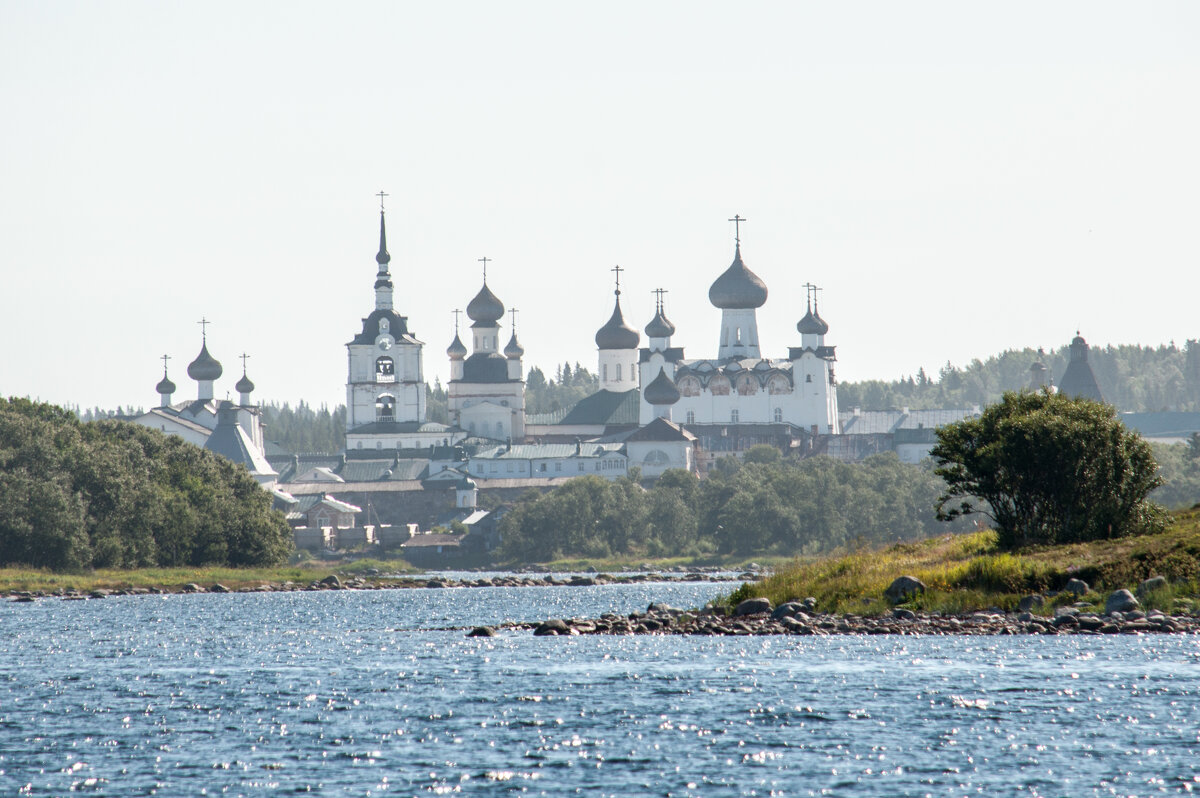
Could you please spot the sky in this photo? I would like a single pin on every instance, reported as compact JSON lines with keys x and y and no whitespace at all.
{"x":959,"y":179}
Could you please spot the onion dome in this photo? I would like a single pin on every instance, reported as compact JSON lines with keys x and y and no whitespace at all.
{"x":165,"y":385}
{"x":205,"y":367}
{"x":382,"y":257}
{"x":659,"y":327}
{"x":812,"y":324}
{"x":514,"y":349}
{"x":466,"y":483}
{"x":456,"y":350}
{"x":616,"y":334}
{"x":738,"y":287}
{"x":485,"y":309}
{"x":244,"y":385}
{"x":661,"y":390}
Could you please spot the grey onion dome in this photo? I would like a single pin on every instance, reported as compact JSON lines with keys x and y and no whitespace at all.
{"x":165,"y":385}
{"x":616,"y":334}
{"x":738,"y":287}
{"x":659,"y":327}
{"x":382,"y":257}
{"x":205,"y":367}
{"x":812,"y":324}
{"x":456,"y":350}
{"x":514,"y":349}
{"x":244,"y":385}
{"x":661,"y":390}
{"x":485,"y":309}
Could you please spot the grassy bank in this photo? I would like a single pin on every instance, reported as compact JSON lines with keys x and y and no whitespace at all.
{"x":16,"y":579}
{"x":964,"y":573}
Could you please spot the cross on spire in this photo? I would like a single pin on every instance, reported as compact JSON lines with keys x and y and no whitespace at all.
{"x":456,"y":313}
{"x":381,"y":195}
{"x":737,"y":229}
{"x":244,"y":357}
{"x":513,"y":312}
{"x":164,"y":359}
{"x":484,"y":260}
{"x":658,"y":302}
{"x":617,"y":271}
{"x":204,"y":328}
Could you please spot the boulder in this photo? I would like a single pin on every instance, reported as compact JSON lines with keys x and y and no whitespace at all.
{"x":1153,"y":583}
{"x":903,"y":588}
{"x":482,"y":631}
{"x":1120,"y":601}
{"x":787,"y":610}
{"x":331,"y":581}
{"x":1077,"y":586}
{"x":218,"y":588}
{"x":660,"y":607}
{"x":810,"y":604}
{"x":902,"y":614}
{"x":554,"y":626}
{"x":752,"y":607}
{"x":1034,"y":602}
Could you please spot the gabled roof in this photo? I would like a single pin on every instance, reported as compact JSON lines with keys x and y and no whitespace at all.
{"x":231,"y":441}
{"x":874,"y":422}
{"x":335,"y":504}
{"x":169,"y":416}
{"x":537,"y":451}
{"x":605,"y":407}
{"x":661,"y":430}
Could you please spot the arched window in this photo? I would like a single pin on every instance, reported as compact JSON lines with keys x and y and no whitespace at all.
{"x":808,"y":378}
{"x":385,"y":407}
{"x":778,"y":415}
{"x":500,"y":428}
{"x":691,"y":417}
{"x":618,"y":372}
{"x":604,"y":372}
{"x":385,"y":369}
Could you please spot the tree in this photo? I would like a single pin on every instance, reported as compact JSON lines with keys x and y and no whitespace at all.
{"x":1046,"y":468}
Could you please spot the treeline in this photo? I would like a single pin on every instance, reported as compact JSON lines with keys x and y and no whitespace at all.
{"x":567,"y":387}
{"x":1132,"y":378}
{"x":1179,"y":466}
{"x":111,"y":494}
{"x":765,"y":505}
{"x":304,"y":429}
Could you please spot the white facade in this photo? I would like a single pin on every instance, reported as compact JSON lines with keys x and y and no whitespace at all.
{"x":486,"y":393}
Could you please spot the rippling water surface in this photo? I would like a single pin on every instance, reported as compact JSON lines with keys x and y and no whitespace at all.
{"x":369,"y":693}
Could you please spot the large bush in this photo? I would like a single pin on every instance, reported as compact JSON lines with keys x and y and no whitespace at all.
{"x":1046,"y":468}
{"x":113,"y":494}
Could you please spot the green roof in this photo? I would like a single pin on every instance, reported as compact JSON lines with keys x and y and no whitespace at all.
{"x":605,"y":407}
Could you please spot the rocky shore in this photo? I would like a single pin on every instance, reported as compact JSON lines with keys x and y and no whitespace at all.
{"x":802,"y":618}
{"x":378,"y":581}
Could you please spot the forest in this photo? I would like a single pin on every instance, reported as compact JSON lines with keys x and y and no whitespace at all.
{"x":765,"y":504}
{"x":110,"y":494}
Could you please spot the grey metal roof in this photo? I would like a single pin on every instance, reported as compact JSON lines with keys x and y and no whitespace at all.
{"x":1078,"y":380}
{"x":397,"y":328}
{"x":661,"y":430}
{"x":485,"y":309}
{"x":661,"y":390}
{"x":231,"y":441}
{"x":874,"y":422}
{"x":605,"y":407}
{"x":205,"y":366}
{"x":485,"y":367}
{"x":538,"y":451}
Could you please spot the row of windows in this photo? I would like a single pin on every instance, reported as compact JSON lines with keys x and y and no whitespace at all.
{"x":604,"y":372}
{"x":609,"y":464}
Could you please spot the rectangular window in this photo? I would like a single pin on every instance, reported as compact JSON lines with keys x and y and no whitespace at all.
{"x":541,"y":467}
{"x":558,"y":466}
{"x":581,"y":466}
{"x":733,"y":415}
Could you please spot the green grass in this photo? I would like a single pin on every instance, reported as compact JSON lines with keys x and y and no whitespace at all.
{"x":965,"y":573}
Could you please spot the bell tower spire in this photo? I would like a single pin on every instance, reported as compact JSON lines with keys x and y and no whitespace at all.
{"x":383,"y":278}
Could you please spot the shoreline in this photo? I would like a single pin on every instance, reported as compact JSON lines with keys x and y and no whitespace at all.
{"x":333,"y":582}
{"x":711,"y":622}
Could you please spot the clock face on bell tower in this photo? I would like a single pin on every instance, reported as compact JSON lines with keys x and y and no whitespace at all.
{"x":385,"y":343}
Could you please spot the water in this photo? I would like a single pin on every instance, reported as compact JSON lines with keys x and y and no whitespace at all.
{"x":366,"y":693}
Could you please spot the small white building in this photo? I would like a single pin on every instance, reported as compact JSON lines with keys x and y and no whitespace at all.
{"x":550,"y":460}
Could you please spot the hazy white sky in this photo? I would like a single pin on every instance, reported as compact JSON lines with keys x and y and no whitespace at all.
{"x":959,"y":178}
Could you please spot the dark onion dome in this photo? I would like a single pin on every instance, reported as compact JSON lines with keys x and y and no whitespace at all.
{"x":382,"y":257}
{"x":456,"y":350}
{"x":205,"y":367}
{"x":616,"y":334}
{"x":738,"y":287}
{"x":165,"y":385}
{"x":244,"y":385}
{"x":661,"y":390}
{"x":659,"y":327}
{"x":812,"y":324}
{"x":514,"y":349}
{"x":485,"y":309}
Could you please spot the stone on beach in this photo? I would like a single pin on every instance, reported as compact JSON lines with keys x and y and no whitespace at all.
{"x":1077,"y":586}
{"x":1120,"y":601}
{"x":752,"y":607}
{"x":903,"y":588}
{"x":1151,"y":584}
